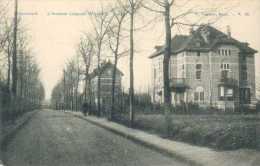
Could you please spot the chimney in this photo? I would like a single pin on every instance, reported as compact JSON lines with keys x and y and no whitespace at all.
{"x":228,"y":31}
{"x":205,"y":34}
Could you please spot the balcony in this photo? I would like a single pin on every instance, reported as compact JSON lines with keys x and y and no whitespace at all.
{"x":178,"y":85}
{"x":228,"y":82}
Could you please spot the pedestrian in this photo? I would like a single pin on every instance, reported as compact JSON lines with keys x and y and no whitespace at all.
{"x":85,"y":109}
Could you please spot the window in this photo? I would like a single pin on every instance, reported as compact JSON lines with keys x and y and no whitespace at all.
{"x":225,"y":70}
{"x":199,"y":94}
{"x":229,"y":52}
{"x":229,"y":92}
{"x":198,"y":53}
{"x":244,"y":72}
{"x":198,"y":66}
{"x":224,"y":74}
{"x":225,"y":52}
{"x":225,"y":66}
{"x":198,"y":71}
{"x":222,"y":91}
{"x":198,"y":75}
{"x":226,"y":93}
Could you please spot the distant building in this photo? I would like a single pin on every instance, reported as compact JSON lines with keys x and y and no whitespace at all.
{"x":207,"y":67}
{"x":106,"y":74}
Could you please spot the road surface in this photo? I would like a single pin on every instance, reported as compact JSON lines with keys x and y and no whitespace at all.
{"x":54,"y":138}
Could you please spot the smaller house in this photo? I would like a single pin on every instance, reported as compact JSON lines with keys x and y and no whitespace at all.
{"x":106,"y":79}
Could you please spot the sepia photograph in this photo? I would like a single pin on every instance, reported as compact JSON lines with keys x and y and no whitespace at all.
{"x":129,"y":83}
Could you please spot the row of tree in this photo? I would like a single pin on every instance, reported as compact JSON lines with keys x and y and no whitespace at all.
{"x":116,"y":23}
{"x":21,"y":88}
{"x":65,"y":94}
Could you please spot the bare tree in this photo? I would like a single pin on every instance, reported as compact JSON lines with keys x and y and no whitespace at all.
{"x":25,"y":85}
{"x":71,"y":79}
{"x":101,"y":24}
{"x":7,"y":47}
{"x":14,"y":57}
{"x":114,"y":36}
{"x":167,"y":8}
{"x":86,"y":51}
{"x":131,"y":7}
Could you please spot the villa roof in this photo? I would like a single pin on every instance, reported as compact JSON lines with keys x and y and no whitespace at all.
{"x":205,"y":38}
{"x":104,"y":66}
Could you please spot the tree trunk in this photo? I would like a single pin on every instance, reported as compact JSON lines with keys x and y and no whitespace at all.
{"x":131,"y":88}
{"x":90,"y":92}
{"x":77,"y":87}
{"x":64,"y":91}
{"x":9,"y":67}
{"x":14,"y":71}
{"x":99,"y":82}
{"x":113,"y":88}
{"x":166,"y":59}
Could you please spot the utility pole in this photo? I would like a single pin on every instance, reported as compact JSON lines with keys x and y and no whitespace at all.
{"x":131,"y":65}
{"x":14,"y":71}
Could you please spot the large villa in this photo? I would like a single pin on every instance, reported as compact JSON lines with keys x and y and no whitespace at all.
{"x":207,"y":67}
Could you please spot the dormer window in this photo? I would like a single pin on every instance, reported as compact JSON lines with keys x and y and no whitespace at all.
{"x":224,"y":52}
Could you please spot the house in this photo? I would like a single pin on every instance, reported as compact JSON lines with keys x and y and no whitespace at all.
{"x":106,"y":74}
{"x":207,"y":67}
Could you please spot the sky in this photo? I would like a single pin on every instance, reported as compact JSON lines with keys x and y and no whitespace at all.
{"x":54,"y":33}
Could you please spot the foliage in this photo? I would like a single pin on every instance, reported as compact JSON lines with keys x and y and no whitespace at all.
{"x":223,"y":132}
{"x":30,"y":90}
{"x":65,"y":94}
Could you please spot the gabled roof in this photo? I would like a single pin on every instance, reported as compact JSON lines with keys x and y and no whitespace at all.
{"x":103,"y":67}
{"x":205,"y":38}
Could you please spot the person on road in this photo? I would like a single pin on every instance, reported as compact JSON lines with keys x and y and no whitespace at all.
{"x":85,"y":109}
